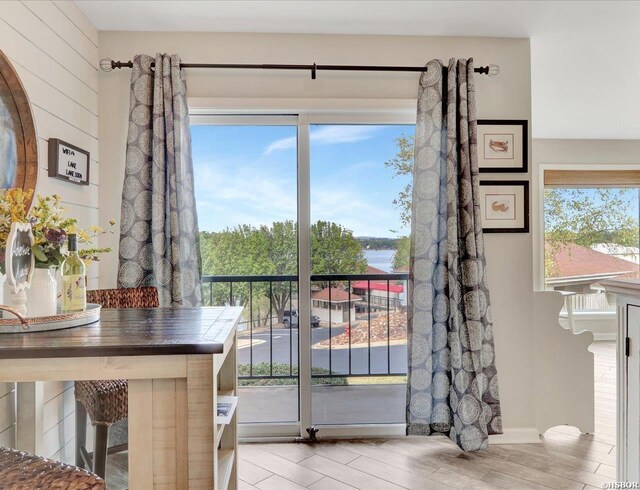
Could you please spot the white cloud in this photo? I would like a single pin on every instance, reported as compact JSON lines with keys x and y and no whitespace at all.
{"x":346,"y":207}
{"x":327,"y":135}
{"x":229,"y":195}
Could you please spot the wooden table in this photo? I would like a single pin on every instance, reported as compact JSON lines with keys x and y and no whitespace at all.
{"x":177,"y":362}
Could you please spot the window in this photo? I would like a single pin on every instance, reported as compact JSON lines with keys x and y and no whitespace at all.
{"x":591,"y":234}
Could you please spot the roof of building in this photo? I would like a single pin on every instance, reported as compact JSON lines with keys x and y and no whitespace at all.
{"x":337,"y":295}
{"x":615,"y":249}
{"x":572,"y":260}
{"x":375,"y":270}
{"x":378,"y":286}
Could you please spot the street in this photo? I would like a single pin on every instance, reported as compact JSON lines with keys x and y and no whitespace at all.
{"x":284,"y":350}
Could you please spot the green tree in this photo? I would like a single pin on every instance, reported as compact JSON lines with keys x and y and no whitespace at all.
{"x":402,"y":164}
{"x":273,"y":250}
{"x":401,"y":257}
{"x":586,"y":217}
{"x":334,"y":250}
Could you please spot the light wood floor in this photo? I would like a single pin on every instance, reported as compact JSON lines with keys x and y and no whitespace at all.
{"x":566,"y":459}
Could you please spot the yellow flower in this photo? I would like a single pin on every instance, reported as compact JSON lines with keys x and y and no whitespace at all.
{"x":84,"y":236}
{"x":97,"y":229}
{"x":112,"y":221}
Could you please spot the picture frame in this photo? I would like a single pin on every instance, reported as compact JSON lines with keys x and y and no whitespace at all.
{"x":68,"y":162}
{"x":503,"y":145}
{"x":504,"y":206}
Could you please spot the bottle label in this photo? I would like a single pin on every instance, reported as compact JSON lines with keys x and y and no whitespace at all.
{"x":74,"y":293}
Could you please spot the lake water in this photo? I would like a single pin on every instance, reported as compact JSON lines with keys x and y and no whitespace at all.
{"x":381,"y":259}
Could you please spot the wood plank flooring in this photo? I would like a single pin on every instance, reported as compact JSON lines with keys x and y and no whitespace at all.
{"x":566,"y":459}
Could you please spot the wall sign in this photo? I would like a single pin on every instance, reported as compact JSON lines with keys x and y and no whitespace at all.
{"x":19,"y":258}
{"x":68,"y":162}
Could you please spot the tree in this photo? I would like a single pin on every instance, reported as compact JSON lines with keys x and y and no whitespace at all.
{"x":402,"y":255}
{"x":334,"y":250}
{"x":586,"y":217}
{"x":402,"y":164}
{"x":273,"y":250}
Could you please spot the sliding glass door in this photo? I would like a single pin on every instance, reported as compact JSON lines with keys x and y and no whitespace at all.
{"x":359,"y":262}
{"x":304,"y":222}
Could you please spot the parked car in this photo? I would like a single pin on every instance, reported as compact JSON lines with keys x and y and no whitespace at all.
{"x":290,"y":319}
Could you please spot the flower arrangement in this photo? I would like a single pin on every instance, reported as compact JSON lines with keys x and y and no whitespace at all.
{"x":50,"y":228}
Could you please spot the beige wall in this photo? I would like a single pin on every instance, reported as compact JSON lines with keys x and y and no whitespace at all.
{"x":507,"y":97}
{"x":54,"y":49}
{"x":586,"y":152}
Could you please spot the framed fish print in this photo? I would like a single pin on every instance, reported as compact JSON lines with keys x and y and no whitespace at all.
{"x":503,"y":145}
{"x":504,"y":205}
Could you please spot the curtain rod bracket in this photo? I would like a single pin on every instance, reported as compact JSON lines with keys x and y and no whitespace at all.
{"x":314,"y":71}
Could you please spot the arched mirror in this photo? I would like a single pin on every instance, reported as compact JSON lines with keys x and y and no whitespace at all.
{"x":18,"y":144}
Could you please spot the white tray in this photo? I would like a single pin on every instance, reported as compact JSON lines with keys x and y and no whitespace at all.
{"x":48,"y":323}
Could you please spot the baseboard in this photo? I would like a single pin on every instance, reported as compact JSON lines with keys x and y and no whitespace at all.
{"x":524,"y":435}
{"x":605,"y":336}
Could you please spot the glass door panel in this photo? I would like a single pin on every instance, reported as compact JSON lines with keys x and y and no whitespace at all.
{"x":246,"y":192}
{"x":360,"y":178}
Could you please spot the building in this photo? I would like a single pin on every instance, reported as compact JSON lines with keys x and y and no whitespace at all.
{"x":334,"y":305}
{"x":380,"y":293}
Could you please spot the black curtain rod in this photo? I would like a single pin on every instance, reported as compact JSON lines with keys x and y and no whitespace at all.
{"x":107,"y":64}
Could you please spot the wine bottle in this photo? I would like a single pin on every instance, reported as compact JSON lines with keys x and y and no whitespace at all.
{"x":74,"y":291}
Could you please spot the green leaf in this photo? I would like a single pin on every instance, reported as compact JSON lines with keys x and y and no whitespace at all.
{"x":38,"y":251}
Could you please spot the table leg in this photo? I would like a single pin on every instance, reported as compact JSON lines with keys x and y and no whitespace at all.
{"x":158,"y":434}
{"x":201,"y":386}
{"x":140,"y":434}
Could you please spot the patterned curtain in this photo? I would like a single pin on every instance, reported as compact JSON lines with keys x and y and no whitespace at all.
{"x":159,"y":241}
{"x":452,"y":379}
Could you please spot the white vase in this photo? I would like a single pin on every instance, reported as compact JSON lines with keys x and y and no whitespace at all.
{"x":42,"y":296}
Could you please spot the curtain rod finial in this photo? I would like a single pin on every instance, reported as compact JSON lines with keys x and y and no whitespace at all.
{"x":106,"y":64}
{"x":494,"y":71}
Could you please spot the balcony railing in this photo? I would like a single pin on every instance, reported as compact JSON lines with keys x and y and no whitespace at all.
{"x":363,"y":335}
{"x":590,"y":302}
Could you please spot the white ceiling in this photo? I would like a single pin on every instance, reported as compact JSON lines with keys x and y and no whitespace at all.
{"x":585,"y":54}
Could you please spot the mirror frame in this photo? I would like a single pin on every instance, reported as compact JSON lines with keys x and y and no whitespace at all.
{"x":26,"y":138}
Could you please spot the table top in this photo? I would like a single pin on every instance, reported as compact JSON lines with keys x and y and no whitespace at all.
{"x":131,"y":332}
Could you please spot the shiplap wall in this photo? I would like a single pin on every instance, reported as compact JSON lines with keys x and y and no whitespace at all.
{"x":54,"y":49}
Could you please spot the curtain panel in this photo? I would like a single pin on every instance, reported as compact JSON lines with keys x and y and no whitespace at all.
{"x":159,"y":239}
{"x":452,"y":379}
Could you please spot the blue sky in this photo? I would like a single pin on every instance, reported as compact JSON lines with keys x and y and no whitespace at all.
{"x":247,"y":175}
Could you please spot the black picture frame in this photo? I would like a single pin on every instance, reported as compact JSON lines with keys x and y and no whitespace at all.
{"x":509,"y":183}
{"x":524,"y":168}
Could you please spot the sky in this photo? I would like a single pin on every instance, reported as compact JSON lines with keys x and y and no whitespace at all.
{"x":247,"y":175}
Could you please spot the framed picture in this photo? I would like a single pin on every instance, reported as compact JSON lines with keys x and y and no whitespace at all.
{"x":502,"y":145}
{"x":68,"y":162}
{"x":504,"y":205}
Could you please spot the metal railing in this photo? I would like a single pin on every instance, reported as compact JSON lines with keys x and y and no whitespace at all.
{"x":266,"y":354}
